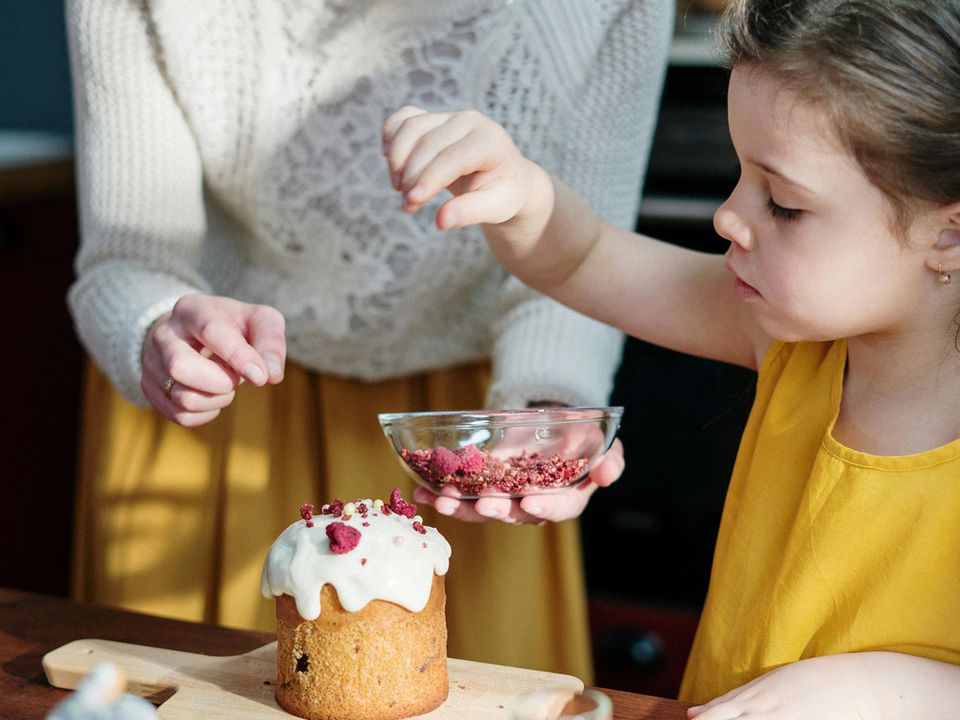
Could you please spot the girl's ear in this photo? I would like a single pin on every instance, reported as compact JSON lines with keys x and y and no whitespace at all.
{"x":944,"y":255}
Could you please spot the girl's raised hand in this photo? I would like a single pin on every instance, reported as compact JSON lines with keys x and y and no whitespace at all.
{"x":466,"y":153}
{"x":194,"y":357}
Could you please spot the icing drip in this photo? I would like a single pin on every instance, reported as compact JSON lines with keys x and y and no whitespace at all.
{"x":393,"y":561}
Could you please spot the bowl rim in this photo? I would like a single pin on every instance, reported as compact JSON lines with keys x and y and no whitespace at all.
{"x":511,"y":417}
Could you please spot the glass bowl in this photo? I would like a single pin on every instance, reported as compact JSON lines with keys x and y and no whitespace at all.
{"x":501,"y":453}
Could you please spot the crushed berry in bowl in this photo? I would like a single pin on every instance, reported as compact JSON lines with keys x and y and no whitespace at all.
{"x":509,"y":453}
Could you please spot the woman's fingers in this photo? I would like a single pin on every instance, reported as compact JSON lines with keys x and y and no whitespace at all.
{"x":610,"y":467}
{"x":194,"y":358}
{"x":223,"y":326}
{"x":481,"y":510}
{"x":561,"y":505}
{"x":554,"y":506}
{"x":267,"y":331}
{"x":512,"y":511}
{"x":167,"y":355}
{"x":170,"y":403}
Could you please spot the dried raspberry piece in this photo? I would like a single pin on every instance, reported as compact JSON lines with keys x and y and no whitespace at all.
{"x":420,"y":528}
{"x":471,"y":460}
{"x":306,"y":512}
{"x":335,"y":508}
{"x":444,"y":462}
{"x":401,"y":506}
{"x":419,"y":462}
{"x":343,"y":538}
{"x":476,"y":470}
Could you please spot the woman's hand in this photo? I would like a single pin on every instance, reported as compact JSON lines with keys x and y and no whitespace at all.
{"x":553,"y":506}
{"x":194,"y":357}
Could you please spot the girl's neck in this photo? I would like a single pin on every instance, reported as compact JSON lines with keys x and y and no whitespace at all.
{"x":901,"y":395}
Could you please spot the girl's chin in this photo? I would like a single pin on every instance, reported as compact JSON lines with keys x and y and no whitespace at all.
{"x":777,"y":331}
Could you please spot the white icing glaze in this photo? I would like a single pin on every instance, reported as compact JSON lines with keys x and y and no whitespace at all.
{"x":399,"y":562}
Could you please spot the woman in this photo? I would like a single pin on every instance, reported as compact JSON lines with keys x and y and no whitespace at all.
{"x":231,"y":181}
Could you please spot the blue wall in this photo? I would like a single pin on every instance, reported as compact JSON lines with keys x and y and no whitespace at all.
{"x":34,"y":68}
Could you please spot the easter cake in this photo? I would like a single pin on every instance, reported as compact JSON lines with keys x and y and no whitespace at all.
{"x":361,"y":627}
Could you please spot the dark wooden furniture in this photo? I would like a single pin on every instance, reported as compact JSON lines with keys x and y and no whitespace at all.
{"x":42,"y":360}
{"x":31,"y":625}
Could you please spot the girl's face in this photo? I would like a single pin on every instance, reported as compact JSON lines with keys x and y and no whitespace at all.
{"x":811,"y":239}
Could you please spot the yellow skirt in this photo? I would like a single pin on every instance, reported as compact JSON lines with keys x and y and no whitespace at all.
{"x":176,"y":522}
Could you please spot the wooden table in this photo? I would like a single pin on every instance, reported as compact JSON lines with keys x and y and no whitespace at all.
{"x":31,"y":625}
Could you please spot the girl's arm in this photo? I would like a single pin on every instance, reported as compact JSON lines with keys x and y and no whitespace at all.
{"x":867,"y":686}
{"x":543,"y":233}
{"x":599,"y":82}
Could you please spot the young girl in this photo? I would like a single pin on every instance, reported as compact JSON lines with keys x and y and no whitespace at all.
{"x":836,"y":583}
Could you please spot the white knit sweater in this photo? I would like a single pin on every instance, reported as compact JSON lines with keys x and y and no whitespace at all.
{"x":232,"y":147}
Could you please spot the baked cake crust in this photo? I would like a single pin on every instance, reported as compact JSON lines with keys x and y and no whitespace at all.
{"x":382,"y":662}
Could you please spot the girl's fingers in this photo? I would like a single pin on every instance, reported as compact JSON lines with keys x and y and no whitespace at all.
{"x":407,"y":136}
{"x":489,"y":206}
{"x":393,"y":124}
{"x":438,"y":157}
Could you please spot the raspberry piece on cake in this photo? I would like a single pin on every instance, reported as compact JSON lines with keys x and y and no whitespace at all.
{"x":401,"y":506}
{"x":343,"y":538}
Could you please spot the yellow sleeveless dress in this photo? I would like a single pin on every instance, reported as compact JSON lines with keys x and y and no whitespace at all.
{"x":823,"y":549}
{"x":177,"y":522}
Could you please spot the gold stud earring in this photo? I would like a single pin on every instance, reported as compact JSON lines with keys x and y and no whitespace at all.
{"x":944,"y":277}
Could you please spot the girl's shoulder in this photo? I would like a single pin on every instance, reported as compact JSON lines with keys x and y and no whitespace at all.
{"x":802,"y":367}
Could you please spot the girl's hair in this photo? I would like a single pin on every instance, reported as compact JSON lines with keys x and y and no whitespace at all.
{"x":887,"y":72}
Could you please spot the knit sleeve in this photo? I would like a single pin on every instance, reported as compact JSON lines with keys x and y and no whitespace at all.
{"x":542,"y":350}
{"x":139,"y":183}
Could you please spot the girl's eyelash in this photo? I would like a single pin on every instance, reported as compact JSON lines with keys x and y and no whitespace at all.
{"x":778,"y":211}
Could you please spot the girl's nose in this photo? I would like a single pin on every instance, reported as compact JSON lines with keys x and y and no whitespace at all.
{"x":729,"y":225}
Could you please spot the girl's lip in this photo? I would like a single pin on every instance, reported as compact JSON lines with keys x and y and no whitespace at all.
{"x":743,"y":288}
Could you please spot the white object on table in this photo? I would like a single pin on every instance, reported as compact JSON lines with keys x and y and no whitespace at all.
{"x":100,"y":696}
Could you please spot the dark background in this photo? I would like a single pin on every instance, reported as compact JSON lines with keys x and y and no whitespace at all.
{"x":648,"y":540}
{"x":34,"y":72}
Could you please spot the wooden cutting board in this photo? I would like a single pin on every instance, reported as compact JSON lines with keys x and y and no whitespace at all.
{"x":241,"y":686}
